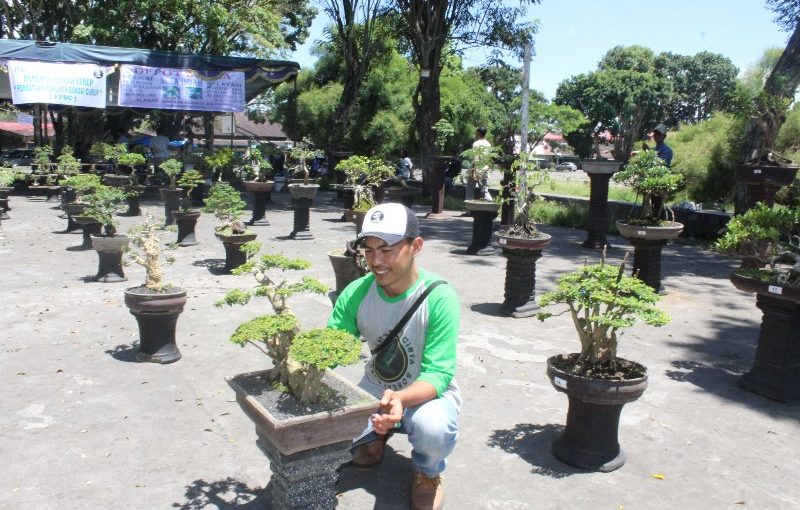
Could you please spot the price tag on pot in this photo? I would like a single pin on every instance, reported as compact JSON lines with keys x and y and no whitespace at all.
{"x":502,"y":240}
{"x":775,"y":289}
{"x":641,"y":233}
{"x":561,"y":383}
{"x":756,"y":171}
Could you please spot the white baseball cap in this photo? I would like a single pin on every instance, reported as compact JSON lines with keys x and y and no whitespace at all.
{"x":661,"y":128}
{"x":389,"y":222}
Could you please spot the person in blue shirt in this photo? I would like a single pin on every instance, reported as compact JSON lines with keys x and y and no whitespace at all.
{"x":662,"y":149}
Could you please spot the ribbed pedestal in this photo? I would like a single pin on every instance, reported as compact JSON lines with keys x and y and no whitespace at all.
{"x":597,"y":223}
{"x":482,"y":233}
{"x":520,"y":299}
{"x":647,"y":260}
{"x":302,"y":215}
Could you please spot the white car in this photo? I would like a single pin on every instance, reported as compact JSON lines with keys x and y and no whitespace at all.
{"x":566,"y":166}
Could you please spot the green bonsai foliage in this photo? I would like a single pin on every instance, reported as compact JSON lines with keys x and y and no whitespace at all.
{"x":188,"y":181}
{"x":301,"y":155}
{"x":260,"y":168}
{"x":146,"y":239}
{"x":444,"y":133}
{"x":130,"y":160}
{"x":651,"y":178}
{"x":219,"y":159}
{"x":602,"y":301}
{"x":67,"y":163}
{"x":8,"y":177}
{"x":364,"y":174}
{"x":759,"y":235}
{"x":171,"y":167}
{"x":479,"y":161}
{"x":41,"y":158}
{"x":227,"y":205}
{"x":299,"y":368}
{"x":82,"y":183}
{"x":104,"y":204}
{"x":528,"y":177}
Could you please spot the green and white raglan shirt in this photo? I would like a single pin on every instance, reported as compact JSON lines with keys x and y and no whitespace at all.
{"x":428,"y":340}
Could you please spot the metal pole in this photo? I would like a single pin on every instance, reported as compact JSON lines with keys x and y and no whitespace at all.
{"x":523,"y":148}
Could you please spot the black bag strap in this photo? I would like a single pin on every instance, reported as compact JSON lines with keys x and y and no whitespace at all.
{"x":401,"y":324}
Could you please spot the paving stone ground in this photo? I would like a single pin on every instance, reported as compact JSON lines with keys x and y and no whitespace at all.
{"x":84,"y":426}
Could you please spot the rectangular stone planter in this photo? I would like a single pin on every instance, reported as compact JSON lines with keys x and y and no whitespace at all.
{"x":305,"y":446}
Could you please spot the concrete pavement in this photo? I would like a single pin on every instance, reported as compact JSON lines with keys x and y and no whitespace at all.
{"x":84,"y":426}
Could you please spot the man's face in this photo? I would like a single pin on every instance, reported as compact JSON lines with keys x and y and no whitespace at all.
{"x":393,"y":266}
{"x":658,"y":137}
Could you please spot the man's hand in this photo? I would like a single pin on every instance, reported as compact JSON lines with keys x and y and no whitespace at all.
{"x":391,"y":412}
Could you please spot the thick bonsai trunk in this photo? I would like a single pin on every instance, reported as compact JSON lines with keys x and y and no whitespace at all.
{"x":763,"y":129}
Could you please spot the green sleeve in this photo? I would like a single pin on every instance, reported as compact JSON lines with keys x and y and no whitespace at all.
{"x":441,"y":338}
{"x":345,"y":311}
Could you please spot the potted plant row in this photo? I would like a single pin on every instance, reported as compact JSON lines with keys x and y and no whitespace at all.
{"x":102,"y":206}
{"x":305,"y":415}
{"x":186,"y":217}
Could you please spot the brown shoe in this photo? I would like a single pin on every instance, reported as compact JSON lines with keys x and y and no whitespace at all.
{"x":370,"y":454}
{"x":427,"y":493}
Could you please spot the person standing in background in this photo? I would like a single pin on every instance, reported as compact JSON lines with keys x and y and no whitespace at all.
{"x":405,"y":167}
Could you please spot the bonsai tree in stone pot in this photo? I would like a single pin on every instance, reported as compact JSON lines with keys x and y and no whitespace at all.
{"x":768,"y":241}
{"x":302,"y":193}
{"x":155,"y":304}
{"x":521,"y":242}
{"x":259,"y":183}
{"x":444,"y":134}
{"x":479,"y":162}
{"x":220,"y":161}
{"x":78,"y":188}
{"x":227,"y":205}
{"x":185,"y":216}
{"x":124,"y":164}
{"x":172,"y":194}
{"x":364,"y":176}
{"x":103,"y":205}
{"x":303,"y":412}
{"x":651,"y":225}
{"x":601,"y":301}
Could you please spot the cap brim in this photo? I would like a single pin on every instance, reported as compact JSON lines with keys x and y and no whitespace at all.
{"x":389,"y":239}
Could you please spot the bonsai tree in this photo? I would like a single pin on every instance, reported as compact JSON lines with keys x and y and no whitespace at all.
{"x":301,"y":155}
{"x":299,"y":359}
{"x":444,"y":134}
{"x":146,"y":238}
{"x":8,"y":177}
{"x":41,"y":158}
{"x":602,"y":301}
{"x":188,"y":181}
{"x":260,"y":168}
{"x":219,"y":160}
{"x":67,"y":163}
{"x":171,"y":167}
{"x":82,"y":183}
{"x":364,"y":174}
{"x":527,"y":177}
{"x":104,"y":204}
{"x":119,"y":155}
{"x":227,"y":205}
{"x":479,"y":161}
{"x":650,"y":177}
{"x":762,"y":236}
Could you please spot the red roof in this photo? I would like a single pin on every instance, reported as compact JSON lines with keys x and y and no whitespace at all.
{"x":20,"y":128}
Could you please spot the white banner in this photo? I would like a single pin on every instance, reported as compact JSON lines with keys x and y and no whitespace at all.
{"x":57,"y":83}
{"x":180,"y":89}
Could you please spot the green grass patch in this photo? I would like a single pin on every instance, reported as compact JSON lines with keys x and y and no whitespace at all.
{"x":581,"y":189}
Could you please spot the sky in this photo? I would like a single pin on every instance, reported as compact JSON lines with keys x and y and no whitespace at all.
{"x":575,"y":34}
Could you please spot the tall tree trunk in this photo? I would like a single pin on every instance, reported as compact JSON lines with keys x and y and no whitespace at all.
{"x":427,"y":109}
{"x":762,"y":130}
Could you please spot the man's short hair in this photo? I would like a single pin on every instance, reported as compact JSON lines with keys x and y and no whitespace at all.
{"x":481,"y":130}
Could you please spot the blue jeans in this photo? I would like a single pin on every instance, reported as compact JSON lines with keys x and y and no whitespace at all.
{"x":432,"y":430}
